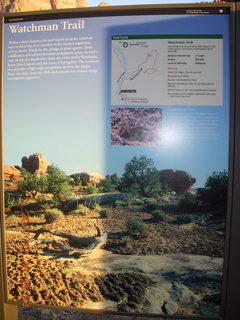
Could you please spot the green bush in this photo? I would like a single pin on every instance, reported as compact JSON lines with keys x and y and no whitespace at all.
{"x":186,"y":218}
{"x":136,"y":225}
{"x":106,"y":213}
{"x":91,"y":189}
{"x":52,"y":215}
{"x":106,"y":186}
{"x":135,"y":201}
{"x":153,"y":206}
{"x":9,"y":200}
{"x":159,"y":215}
{"x":189,"y":203}
{"x":81,"y":210}
{"x":120,"y":203}
{"x":214,"y":194}
{"x":126,"y":240}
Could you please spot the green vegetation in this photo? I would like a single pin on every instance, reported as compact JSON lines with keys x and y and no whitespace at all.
{"x":81,"y":210}
{"x":52,"y":215}
{"x":77,"y":180}
{"x":186,"y":218}
{"x":136,"y":225}
{"x":91,"y":189}
{"x":120,"y":203}
{"x":106,"y":213}
{"x":58,"y":184}
{"x":140,"y":176}
{"x":189,"y":203}
{"x":106,"y":186}
{"x":32,"y":184}
{"x":159,"y":215}
{"x":126,"y":240}
{"x":9,"y":200}
{"x":214,"y":195}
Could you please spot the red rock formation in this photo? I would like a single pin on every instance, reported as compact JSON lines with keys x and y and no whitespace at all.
{"x":178,"y":180}
{"x":103,"y":4}
{"x":91,"y":177}
{"x":11,"y":172}
{"x":35,"y":164}
{"x":35,"y":5}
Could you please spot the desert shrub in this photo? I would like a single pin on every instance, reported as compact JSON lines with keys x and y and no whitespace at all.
{"x":214,"y":195}
{"x":150,"y":200}
{"x":159,"y":215}
{"x":153,"y":206}
{"x":186,"y":218}
{"x":201,"y":220}
{"x":126,"y":240}
{"x":52,"y":215}
{"x":189,"y":203}
{"x":136,"y":201}
{"x":120,"y":203}
{"x":106,"y":186}
{"x":136,"y":225}
{"x":81,"y":210}
{"x":9,"y":200}
{"x":92,"y":203}
{"x":221,"y":226}
{"x":91,"y":189}
{"x":106,"y":213}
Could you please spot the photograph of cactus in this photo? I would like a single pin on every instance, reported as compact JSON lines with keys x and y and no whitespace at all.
{"x":111,"y":207}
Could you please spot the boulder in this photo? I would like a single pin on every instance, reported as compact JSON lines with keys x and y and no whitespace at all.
{"x":170,"y":307}
{"x":34,"y":5}
{"x":89,"y":177}
{"x":35,"y":164}
{"x":178,"y":180}
{"x":103,"y":4}
{"x":11,"y":172}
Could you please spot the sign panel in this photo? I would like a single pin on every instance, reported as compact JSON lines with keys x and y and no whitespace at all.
{"x":116,"y":146}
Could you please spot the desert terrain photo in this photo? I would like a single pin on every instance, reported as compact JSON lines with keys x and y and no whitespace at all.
{"x":128,"y":243}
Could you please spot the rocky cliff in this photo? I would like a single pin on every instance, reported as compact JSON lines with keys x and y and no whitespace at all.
{"x":35,"y":164}
{"x":35,"y":5}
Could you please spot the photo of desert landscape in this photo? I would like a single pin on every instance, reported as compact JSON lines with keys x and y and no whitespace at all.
{"x":144,"y":242}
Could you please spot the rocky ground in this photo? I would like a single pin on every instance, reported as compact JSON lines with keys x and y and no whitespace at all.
{"x":171,"y":269}
{"x":136,"y":126}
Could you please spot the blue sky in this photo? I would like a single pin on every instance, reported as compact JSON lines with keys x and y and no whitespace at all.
{"x":67,"y":117}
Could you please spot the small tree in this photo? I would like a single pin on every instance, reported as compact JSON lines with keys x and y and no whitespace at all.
{"x":58,"y":184}
{"x":215,"y":192}
{"x":106,"y":186}
{"x":8,"y":200}
{"x":32,"y":184}
{"x":142,"y":173}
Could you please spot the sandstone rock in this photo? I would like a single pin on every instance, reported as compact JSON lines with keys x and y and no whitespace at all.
{"x":35,"y":164}
{"x":35,"y":5}
{"x":90,"y":177}
{"x":103,"y":4}
{"x":178,"y":180}
{"x":30,"y":5}
{"x":11,"y":172}
{"x":155,"y":299}
{"x":183,"y":294}
{"x":170,"y":307}
{"x":61,"y":4}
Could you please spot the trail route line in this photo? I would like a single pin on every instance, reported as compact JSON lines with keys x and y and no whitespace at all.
{"x":135,"y":71}
{"x":158,"y":70}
